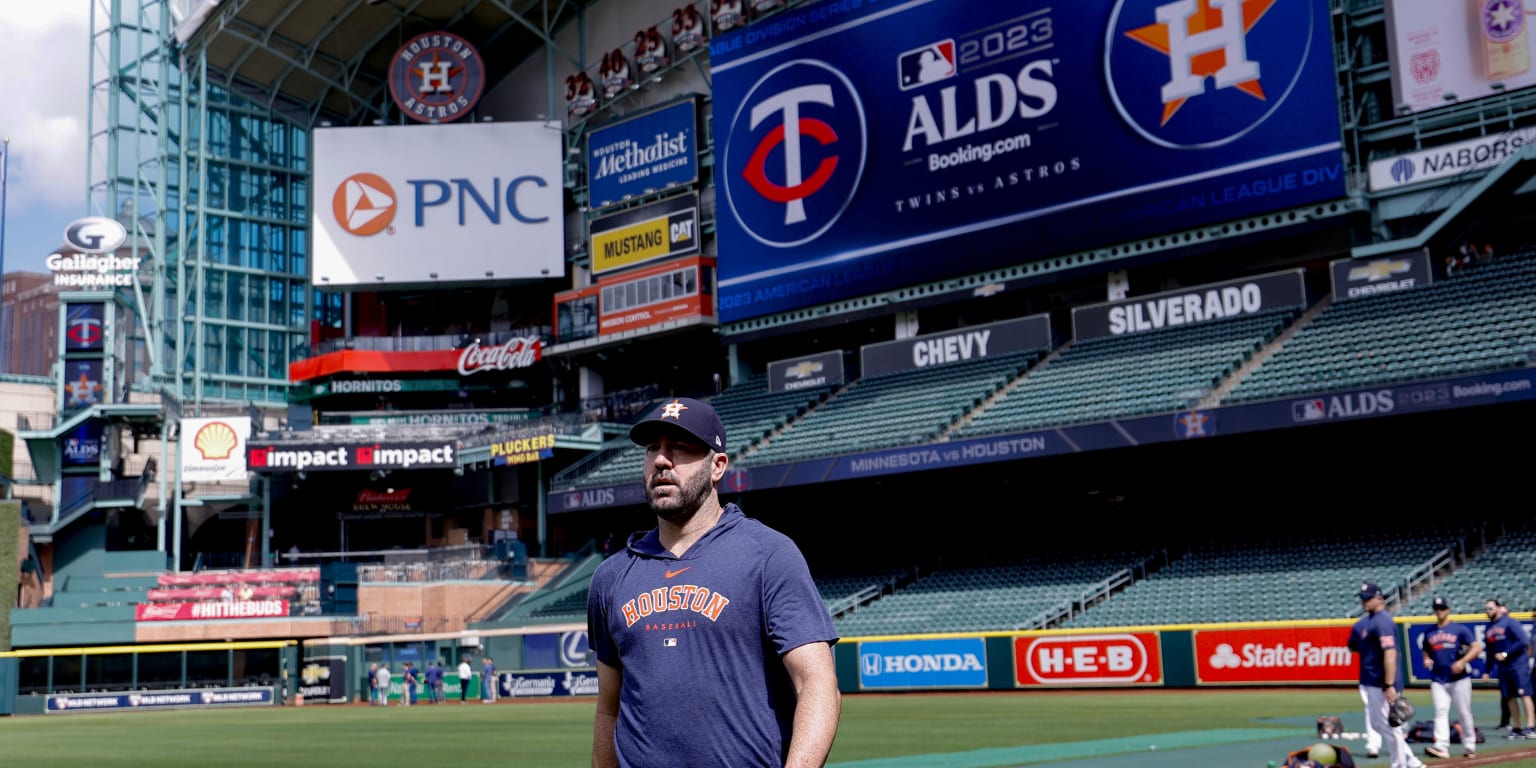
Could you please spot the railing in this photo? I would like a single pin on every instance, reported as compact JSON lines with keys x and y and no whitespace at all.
{"x":855,"y":600}
{"x":1422,"y":575}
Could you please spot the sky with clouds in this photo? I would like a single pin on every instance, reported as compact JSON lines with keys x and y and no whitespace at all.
{"x":45,"y":50}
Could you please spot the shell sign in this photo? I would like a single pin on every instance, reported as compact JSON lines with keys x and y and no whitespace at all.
{"x":214,"y":449}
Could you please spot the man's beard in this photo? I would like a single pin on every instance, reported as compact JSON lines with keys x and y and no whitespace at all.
{"x":678,"y":508}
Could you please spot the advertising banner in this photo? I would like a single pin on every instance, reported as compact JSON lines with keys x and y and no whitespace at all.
{"x":863,"y":146}
{"x":323,"y":680}
{"x":1448,"y":51}
{"x":1419,"y":673}
{"x":1198,"y":304}
{"x":438,"y":204}
{"x":1132,"y":658}
{"x":523,"y":450}
{"x":83,"y":444}
{"x":311,"y":457}
{"x":523,"y":685}
{"x":809,"y":372}
{"x":1449,"y":160}
{"x":643,"y":153}
{"x":477,"y":357}
{"x":85,"y":327}
{"x":1286,"y":655}
{"x":212,"y":609}
{"x":202,"y":698}
{"x":1357,"y":278}
{"x":83,"y":384}
{"x":646,"y":233}
{"x":906,"y":664}
{"x":1004,"y":337}
{"x":214,"y":449}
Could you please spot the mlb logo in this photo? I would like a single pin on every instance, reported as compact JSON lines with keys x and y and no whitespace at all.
{"x":1425,"y":66}
{"x":1308,"y":410}
{"x":670,"y":642}
{"x":928,"y":64}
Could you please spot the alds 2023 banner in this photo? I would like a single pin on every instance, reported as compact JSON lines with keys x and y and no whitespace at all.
{"x":865,"y":145}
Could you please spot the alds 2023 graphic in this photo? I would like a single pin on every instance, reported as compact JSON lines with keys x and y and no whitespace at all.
{"x":866,"y":144}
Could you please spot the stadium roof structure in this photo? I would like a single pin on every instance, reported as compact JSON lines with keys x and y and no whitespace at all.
{"x":328,"y":60}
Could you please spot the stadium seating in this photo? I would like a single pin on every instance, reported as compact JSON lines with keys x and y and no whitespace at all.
{"x":747,"y":408}
{"x":1483,"y":319}
{"x":984,"y":597}
{"x":1120,"y":376}
{"x":1278,"y":577}
{"x":1504,"y":569}
{"x":906,"y":408}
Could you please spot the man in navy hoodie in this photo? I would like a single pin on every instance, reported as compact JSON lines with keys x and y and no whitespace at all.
{"x":713,"y":645}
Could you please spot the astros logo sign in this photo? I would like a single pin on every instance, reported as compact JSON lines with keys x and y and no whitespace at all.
{"x":364,"y":204}
{"x":1196,"y":74}
{"x":796,"y":153}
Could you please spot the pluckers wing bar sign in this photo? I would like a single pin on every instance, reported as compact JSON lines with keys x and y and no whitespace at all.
{"x":477,"y":357}
{"x":318,"y":457}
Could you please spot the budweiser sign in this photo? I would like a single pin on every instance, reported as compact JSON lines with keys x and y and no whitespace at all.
{"x":515,"y":353}
{"x":225,"y":609}
{"x":371,"y":500}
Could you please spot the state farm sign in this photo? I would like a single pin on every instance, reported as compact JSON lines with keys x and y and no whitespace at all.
{"x":1287,"y":655}
{"x":1132,"y":658}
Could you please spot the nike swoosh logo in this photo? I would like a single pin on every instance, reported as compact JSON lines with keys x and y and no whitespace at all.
{"x":670,"y":574}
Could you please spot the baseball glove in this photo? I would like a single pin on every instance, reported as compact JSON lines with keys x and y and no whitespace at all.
{"x":1399,"y":711}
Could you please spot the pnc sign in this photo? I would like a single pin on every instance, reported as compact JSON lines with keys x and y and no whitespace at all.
{"x":435,"y":204}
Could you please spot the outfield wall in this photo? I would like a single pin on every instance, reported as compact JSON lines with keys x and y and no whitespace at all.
{"x":1175,"y":656}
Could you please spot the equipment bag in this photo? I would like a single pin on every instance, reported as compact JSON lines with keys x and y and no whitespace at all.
{"x":1423,"y":732}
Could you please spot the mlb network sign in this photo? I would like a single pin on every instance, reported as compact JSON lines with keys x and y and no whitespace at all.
{"x":863,"y":144}
{"x":437,"y":204}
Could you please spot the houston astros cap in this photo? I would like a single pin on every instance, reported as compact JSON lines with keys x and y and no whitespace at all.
{"x":1369,"y":590}
{"x":1441,"y":605}
{"x":694,"y":417}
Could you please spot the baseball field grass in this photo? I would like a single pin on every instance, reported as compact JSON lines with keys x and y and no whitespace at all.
{"x":1155,"y":729}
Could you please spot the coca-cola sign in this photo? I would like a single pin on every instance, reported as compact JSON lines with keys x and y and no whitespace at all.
{"x":515,"y":353}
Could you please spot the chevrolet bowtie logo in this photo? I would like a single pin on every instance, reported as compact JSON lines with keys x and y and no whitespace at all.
{"x":1380,"y":269}
{"x":802,"y":370}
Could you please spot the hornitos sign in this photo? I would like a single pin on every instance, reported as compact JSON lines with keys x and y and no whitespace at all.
{"x":95,"y":265}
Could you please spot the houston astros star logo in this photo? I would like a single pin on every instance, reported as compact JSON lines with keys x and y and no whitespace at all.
{"x":1204,"y":38}
{"x":673,"y":410}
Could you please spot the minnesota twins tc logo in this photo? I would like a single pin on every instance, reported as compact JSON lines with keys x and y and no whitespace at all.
{"x":795,"y":154}
{"x":1201,"y":73}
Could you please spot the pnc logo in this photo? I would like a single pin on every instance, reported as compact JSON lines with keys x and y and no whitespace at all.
{"x":364,"y":204}
{"x":1196,"y":74}
{"x":797,"y":151}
